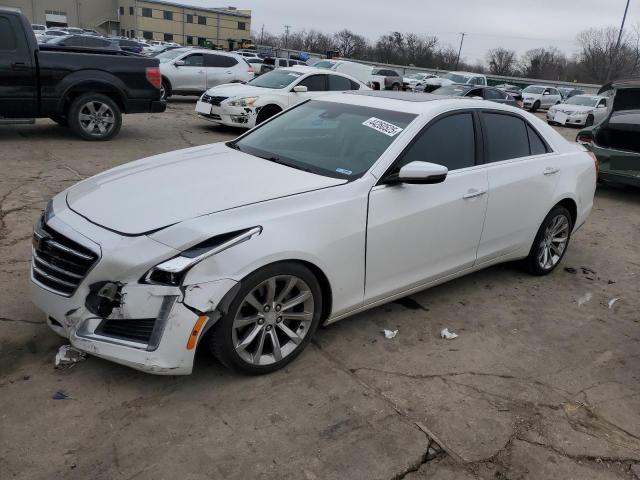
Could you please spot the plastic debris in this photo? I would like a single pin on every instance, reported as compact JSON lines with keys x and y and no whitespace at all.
{"x":588,"y":271}
{"x":390,"y":333}
{"x":612,"y":302}
{"x":584,"y":299}
{"x":60,"y":395}
{"x":570,"y":270}
{"x":447,"y":335}
{"x":68,"y":356}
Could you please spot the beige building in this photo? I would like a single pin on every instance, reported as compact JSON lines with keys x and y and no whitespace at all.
{"x":226,"y":28}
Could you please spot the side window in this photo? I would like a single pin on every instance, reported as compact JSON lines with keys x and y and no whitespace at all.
{"x":220,"y":61}
{"x":493,"y":94}
{"x":194,"y":60}
{"x":338,"y":83}
{"x":506,"y":137}
{"x":449,"y":141}
{"x":282,"y":63}
{"x":603,"y":102}
{"x":315,"y":83}
{"x":536,"y":145}
{"x":354,"y":85}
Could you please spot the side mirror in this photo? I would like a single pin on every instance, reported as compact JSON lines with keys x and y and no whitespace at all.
{"x":179,"y":63}
{"x":476,"y":97}
{"x":420,"y":173}
{"x":545,"y":93}
{"x":300,"y":89}
{"x":601,"y":106}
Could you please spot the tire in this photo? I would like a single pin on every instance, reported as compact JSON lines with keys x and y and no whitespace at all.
{"x":395,"y":87}
{"x":165,"y":90}
{"x":589,"y":121}
{"x":535,"y":106}
{"x":94,"y":117}
{"x":266,"y":113}
{"x":60,"y":120}
{"x":255,"y":325}
{"x":558,"y":220}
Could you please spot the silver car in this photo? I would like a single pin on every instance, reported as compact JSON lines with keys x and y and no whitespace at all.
{"x":191,"y":71}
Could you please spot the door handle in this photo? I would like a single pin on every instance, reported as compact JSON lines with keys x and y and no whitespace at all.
{"x":228,"y":73}
{"x":474,"y":194}
{"x":550,"y":170}
{"x":19,"y":66}
{"x":200,"y":71}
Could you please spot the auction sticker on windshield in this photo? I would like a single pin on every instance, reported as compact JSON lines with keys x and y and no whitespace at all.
{"x":381,"y":126}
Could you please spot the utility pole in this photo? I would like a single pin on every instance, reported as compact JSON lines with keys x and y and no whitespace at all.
{"x":460,"y":50}
{"x":286,"y":36}
{"x":262,"y":34}
{"x":614,"y":54}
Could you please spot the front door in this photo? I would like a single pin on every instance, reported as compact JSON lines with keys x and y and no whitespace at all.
{"x":419,"y":233}
{"x":316,"y":86}
{"x":190,"y":76}
{"x":17,"y":71}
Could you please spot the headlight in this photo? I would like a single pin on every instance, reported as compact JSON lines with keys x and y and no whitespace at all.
{"x":172,"y":271}
{"x":243,"y":102}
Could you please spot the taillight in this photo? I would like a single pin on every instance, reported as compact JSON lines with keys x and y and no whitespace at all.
{"x":520,"y":104}
{"x":251,"y":70}
{"x":595,"y":162}
{"x":154,"y":77}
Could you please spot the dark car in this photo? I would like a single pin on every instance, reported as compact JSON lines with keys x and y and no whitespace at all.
{"x":389,"y":79}
{"x":83,"y":41}
{"x":87,"y":92}
{"x":129,"y":45}
{"x":485,"y":93}
{"x":616,"y":140}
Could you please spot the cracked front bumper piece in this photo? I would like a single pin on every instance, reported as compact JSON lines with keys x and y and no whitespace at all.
{"x":97,"y":301}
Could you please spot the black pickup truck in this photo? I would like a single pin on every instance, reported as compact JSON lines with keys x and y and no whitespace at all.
{"x":84,"y":88}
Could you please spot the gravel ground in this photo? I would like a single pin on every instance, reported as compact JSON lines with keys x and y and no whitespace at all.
{"x":536,"y":386}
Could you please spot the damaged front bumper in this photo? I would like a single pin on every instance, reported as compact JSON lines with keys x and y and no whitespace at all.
{"x":227,"y":115}
{"x":153,"y":328}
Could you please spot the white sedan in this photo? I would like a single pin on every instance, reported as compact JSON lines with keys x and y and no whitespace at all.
{"x":579,"y":111}
{"x":247,"y":105}
{"x":336,"y":206}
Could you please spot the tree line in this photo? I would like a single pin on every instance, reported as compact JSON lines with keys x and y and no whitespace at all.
{"x":597,"y":53}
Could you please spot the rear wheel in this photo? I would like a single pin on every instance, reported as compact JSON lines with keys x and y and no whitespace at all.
{"x":94,"y":116}
{"x":270,"y":321}
{"x":266,"y":113}
{"x":165,"y":90}
{"x":551,"y":242}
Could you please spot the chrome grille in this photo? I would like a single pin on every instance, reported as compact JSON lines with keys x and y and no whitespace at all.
{"x":59,"y":264}
{"x":213,"y":100}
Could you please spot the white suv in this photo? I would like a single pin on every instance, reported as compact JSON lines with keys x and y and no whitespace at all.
{"x":191,"y":71}
{"x":540,"y":96}
{"x":468,"y":78}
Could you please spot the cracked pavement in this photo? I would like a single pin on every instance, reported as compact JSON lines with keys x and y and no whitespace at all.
{"x":535,"y":386}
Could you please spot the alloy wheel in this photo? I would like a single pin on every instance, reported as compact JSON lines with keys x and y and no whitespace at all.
{"x":96,"y":118}
{"x":554,"y":242}
{"x":272,"y":320}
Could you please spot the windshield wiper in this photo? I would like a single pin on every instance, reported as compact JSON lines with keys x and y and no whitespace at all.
{"x":286,"y":164}
{"x":234,"y":145}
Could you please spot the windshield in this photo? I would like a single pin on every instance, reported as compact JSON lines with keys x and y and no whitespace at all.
{"x":455,"y":78}
{"x":332,"y":139}
{"x":324,"y":64}
{"x":453,"y":90}
{"x":169,"y":55}
{"x":416,"y":76}
{"x":582,"y":101}
{"x":533,"y":89}
{"x":279,"y":78}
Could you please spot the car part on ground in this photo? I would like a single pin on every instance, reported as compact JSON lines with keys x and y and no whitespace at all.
{"x":255,"y":266}
{"x":615,"y":141}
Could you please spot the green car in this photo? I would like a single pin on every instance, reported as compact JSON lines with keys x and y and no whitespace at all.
{"x":616,"y":140}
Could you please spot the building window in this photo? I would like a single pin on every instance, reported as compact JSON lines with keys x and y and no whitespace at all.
{"x":146,"y":12}
{"x":147,"y":35}
{"x":122,"y":33}
{"x":132,"y":34}
{"x":189,"y":40}
{"x":189,"y":18}
{"x":130,"y":10}
{"x":121,"y":10}
{"x":168,"y":37}
{"x":201,"y":41}
{"x":167,"y":15}
{"x":202,"y":20}
{"x":242,"y":26}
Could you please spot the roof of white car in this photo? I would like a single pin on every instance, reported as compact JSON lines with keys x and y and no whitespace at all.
{"x":205,"y":50}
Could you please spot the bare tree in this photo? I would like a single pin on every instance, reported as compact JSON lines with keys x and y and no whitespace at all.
{"x":501,"y":61}
{"x":548,"y":63}
{"x":350,"y":44}
{"x":598,"y":53}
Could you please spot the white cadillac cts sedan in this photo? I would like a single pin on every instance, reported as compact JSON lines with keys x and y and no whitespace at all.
{"x":332,"y":207}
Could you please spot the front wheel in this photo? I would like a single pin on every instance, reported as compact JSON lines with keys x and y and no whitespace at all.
{"x":395,"y":87}
{"x":94,"y":116}
{"x":270,"y":321}
{"x":535,"y":107}
{"x":551,"y":242}
{"x":589,"y":121}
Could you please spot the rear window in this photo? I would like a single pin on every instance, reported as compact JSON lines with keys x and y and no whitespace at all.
{"x":506,"y":137}
{"x":7,"y":35}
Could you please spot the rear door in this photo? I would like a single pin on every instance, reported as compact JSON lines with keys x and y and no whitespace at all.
{"x":219,"y":69}
{"x":523,"y":174}
{"x":17,"y":70}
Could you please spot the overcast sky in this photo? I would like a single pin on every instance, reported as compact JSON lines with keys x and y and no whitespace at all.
{"x":515,"y":24}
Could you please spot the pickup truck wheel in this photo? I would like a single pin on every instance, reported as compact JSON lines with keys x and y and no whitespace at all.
{"x":93,"y":116}
{"x":60,"y":120}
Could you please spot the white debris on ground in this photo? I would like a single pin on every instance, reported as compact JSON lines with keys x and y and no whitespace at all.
{"x":612,"y":302}
{"x":68,"y":356}
{"x":447,"y":335}
{"x":390,"y":333}
{"x":584,"y":299}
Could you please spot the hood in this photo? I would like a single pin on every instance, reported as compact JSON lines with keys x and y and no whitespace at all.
{"x":438,"y":81}
{"x":155,"y":192}
{"x":573,"y":108}
{"x":526,"y":95}
{"x":240,"y":90}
